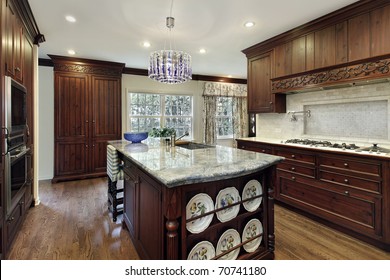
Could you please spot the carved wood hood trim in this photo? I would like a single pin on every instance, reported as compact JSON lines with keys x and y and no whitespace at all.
{"x":369,"y":70}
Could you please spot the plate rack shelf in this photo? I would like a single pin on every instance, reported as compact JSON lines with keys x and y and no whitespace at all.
{"x":216,"y":228}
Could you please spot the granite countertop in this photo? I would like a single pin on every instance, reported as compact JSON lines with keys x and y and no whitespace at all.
{"x":326,"y":149}
{"x":177,"y":166}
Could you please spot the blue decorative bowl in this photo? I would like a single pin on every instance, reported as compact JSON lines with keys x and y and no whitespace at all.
{"x":135,"y":137}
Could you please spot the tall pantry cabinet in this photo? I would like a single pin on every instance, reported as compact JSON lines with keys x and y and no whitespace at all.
{"x":87,"y":100}
{"x":19,"y":33}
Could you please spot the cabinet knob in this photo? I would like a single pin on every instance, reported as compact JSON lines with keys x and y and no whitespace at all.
{"x":86,"y":121}
{"x":293,"y":156}
{"x":346,"y":181}
{"x":292,"y":168}
{"x":346,"y":192}
{"x":346,"y":165}
{"x":293,"y":178}
{"x":11,"y":219}
{"x":86,"y":146}
{"x":263,"y":151}
{"x":270,"y":102}
{"x":17,"y":69}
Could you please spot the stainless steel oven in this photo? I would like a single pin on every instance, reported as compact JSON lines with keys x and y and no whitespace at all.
{"x":15,"y":174}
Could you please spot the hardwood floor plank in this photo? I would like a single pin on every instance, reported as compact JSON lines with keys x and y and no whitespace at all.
{"x":73,"y":223}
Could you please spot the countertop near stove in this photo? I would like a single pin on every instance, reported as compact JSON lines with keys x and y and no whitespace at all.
{"x":177,"y":166}
{"x":281,"y":142}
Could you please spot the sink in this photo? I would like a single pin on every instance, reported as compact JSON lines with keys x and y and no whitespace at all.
{"x":194,"y":146}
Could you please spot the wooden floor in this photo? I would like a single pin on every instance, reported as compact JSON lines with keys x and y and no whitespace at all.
{"x":72,"y":222}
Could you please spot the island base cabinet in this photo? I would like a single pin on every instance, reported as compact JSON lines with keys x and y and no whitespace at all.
{"x":156,"y":215}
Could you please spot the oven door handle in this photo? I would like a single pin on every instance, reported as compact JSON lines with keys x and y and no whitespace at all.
{"x":6,"y":140}
{"x":22,"y":153}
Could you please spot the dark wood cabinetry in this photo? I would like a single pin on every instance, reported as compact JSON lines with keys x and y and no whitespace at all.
{"x":260,"y":72}
{"x":19,"y":33}
{"x":156,"y":215}
{"x":87,"y":115}
{"x":14,"y":37}
{"x":347,"y":191}
{"x":318,"y":53}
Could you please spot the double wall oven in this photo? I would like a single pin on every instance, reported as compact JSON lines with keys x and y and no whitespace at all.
{"x":16,"y":133}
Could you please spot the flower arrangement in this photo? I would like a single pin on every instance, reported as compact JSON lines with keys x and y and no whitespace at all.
{"x":162,"y":132}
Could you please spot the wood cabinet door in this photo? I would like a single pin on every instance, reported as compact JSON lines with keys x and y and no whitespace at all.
{"x":71,"y":125}
{"x":70,"y":158}
{"x":150,"y":223}
{"x":106,"y":107}
{"x":380,"y":31}
{"x":130,"y":202}
{"x":324,"y":47}
{"x":14,"y":43}
{"x":359,"y":37}
{"x":259,"y":83}
{"x":106,"y":118}
{"x":71,"y":99}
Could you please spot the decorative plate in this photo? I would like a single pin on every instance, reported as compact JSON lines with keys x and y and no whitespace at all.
{"x":228,"y":240}
{"x":227,"y":197}
{"x":198,"y":205}
{"x":251,"y":229}
{"x":251,"y":189}
{"x":204,"y":250}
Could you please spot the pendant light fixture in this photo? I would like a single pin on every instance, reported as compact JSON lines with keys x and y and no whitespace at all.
{"x":170,"y":66}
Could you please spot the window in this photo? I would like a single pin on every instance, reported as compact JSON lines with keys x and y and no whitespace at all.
{"x":224,"y":117}
{"x":147,"y":111}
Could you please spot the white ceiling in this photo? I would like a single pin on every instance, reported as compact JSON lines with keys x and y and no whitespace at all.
{"x":114,"y":30}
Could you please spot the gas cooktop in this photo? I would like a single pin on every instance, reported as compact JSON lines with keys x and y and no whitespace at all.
{"x":344,"y":146}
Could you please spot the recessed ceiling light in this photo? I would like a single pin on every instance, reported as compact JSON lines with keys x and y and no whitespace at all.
{"x":249,"y":24}
{"x":71,"y":52}
{"x":202,"y":50}
{"x":146,"y":44}
{"x":70,"y":18}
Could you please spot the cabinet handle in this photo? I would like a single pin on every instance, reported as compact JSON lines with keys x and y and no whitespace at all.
{"x":345,"y":164}
{"x":346,"y":192}
{"x":346,"y":181}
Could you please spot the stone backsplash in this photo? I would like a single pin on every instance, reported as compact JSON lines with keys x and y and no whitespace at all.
{"x":358,"y":113}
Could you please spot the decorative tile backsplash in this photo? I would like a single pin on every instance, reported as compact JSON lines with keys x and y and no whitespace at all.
{"x":365,"y":119}
{"x":358,"y":113}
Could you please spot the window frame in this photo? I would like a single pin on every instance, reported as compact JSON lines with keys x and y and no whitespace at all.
{"x":162,"y":115}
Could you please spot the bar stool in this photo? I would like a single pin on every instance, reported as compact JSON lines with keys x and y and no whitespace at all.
{"x":115,"y":182}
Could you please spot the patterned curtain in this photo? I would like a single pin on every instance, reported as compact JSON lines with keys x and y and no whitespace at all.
{"x":209,"y":123}
{"x":240,"y":118}
{"x":240,"y":111}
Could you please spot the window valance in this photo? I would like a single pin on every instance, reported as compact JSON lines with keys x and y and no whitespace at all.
{"x":224,"y":89}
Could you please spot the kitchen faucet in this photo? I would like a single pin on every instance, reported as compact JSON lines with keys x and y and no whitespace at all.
{"x":174,"y":139}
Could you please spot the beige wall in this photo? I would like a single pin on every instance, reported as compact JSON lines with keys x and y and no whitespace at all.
{"x":129,"y":83}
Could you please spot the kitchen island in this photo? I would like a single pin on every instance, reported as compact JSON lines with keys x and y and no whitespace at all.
{"x":207,"y":203}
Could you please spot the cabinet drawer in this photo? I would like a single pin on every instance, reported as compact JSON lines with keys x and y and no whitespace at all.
{"x":358,"y":213}
{"x":14,"y":220}
{"x":347,"y":164}
{"x":302,"y":170}
{"x":350,"y":181}
{"x":296,"y":155}
{"x":255,"y":147}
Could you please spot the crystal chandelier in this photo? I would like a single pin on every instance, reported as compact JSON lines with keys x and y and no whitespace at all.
{"x":170,"y":66}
